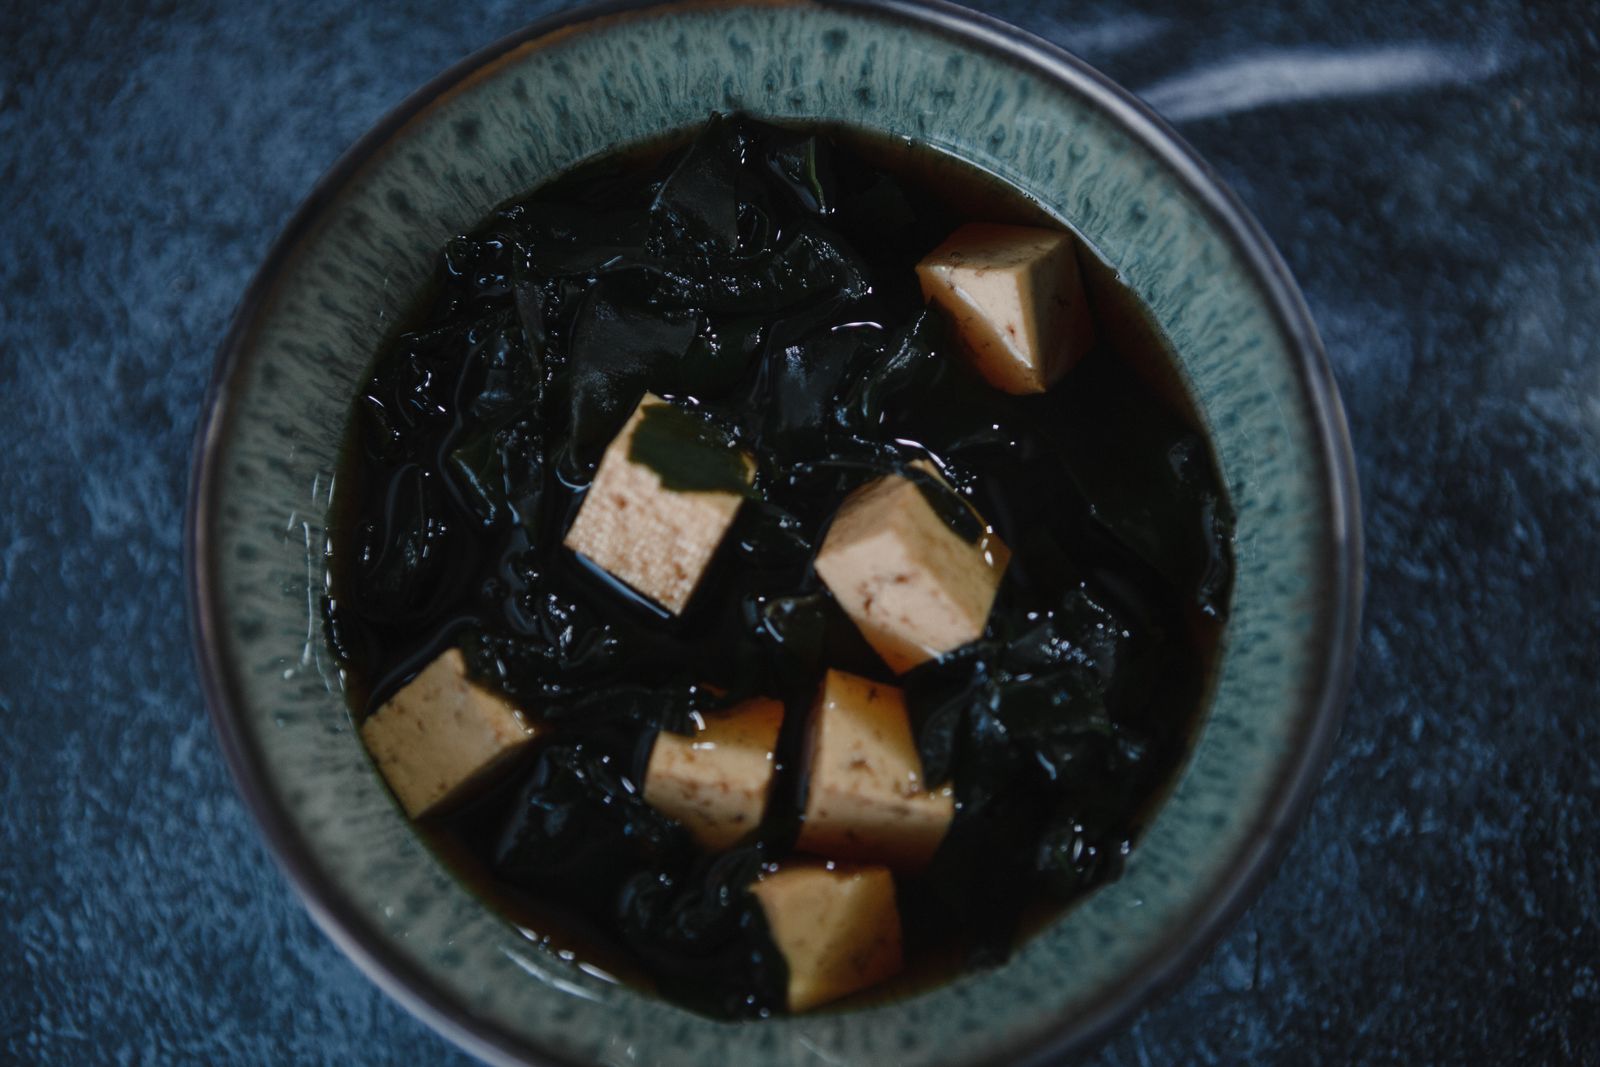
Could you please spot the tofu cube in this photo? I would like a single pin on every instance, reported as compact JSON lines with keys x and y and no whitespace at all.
{"x":1016,"y":298}
{"x":442,"y":735}
{"x":716,"y":782}
{"x":657,"y":540}
{"x":914,"y":587}
{"x":866,"y":799}
{"x":837,"y":927}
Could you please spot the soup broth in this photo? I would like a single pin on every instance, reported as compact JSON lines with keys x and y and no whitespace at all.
{"x":763,"y":281}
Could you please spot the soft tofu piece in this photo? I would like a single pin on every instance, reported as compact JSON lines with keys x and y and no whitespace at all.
{"x":866,"y":799}
{"x":656,"y":540}
{"x":1016,"y":296}
{"x":442,"y":735}
{"x":913,"y":587}
{"x":837,"y":927}
{"x":716,"y":782}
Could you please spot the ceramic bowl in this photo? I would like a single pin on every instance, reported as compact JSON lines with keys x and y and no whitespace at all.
{"x":355,"y":257}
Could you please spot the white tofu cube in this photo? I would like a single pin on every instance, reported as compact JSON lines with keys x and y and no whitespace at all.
{"x":914,"y":587}
{"x":865,"y":798}
{"x":1016,"y":297}
{"x":716,"y":782}
{"x":656,"y":540}
{"x":838,"y":929}
{"x":442,"y":735}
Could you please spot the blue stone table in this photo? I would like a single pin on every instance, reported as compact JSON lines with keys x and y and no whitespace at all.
{"x":1431,"y":170}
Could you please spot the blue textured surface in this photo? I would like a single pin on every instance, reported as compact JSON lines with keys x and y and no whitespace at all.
{"x":1432,"y":174}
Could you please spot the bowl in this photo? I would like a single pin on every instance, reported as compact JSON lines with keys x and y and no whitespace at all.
{"x":359,"y":251}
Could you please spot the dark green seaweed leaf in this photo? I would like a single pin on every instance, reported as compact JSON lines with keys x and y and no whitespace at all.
{"x":952,"y":509}
{"x":499,"y":472}
{"x":704,"y":933}
{"x":720,"y":355}
{"x":689,"y":454}
{"x":554,"y":647}
{"x":910,"y":361}
{"x":701,"y":197}
{"x":1160,"y":496}
{"x":803,"y":165}
{"x":403,"y":552}
{"x":476,"y":464}
{"x":796,"y":383}
{"x":564,"y":240}
{"x":809,"y":265}
{"x":579,"y":828}
{"x":620,"y":347}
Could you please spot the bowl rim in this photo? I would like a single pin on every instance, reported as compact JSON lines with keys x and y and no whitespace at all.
{"x":1181,"y":951}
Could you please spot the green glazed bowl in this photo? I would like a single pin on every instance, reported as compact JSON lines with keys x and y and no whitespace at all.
{"x":361,"y":248}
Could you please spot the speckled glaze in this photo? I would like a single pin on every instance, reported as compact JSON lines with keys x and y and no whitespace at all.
{"x":347,"y":269}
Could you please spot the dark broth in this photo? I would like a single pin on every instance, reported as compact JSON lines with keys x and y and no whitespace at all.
{"x":1104,"y":488}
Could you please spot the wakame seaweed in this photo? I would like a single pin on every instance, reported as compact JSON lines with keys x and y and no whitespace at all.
{"x":760,"y":279}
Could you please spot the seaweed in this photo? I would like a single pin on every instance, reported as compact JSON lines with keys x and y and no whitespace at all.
{"x":690,"y":455}
{"x":697,"y":928}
